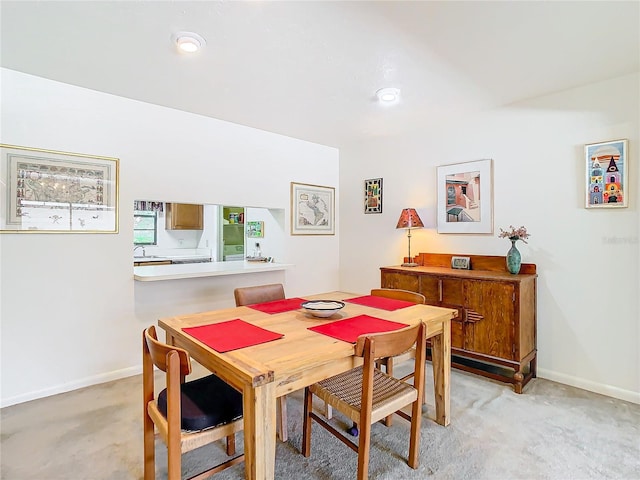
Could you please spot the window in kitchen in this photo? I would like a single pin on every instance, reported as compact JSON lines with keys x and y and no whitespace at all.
{"x":145,"y":227}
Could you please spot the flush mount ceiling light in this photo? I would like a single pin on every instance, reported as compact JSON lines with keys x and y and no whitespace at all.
{"x":188,"y":42}
{"x":388,"y":95}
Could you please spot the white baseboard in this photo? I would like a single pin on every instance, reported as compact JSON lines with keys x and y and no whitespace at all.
{"x":67,"y":387}
{"x":608,"y":390}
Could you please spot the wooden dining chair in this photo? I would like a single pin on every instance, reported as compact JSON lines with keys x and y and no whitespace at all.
{"x":390,"y":362}
{"x":407,"y":296}
{"x":399,"y":294}
{"x":186,"y":415}
{"x":259,"y":294}
{"x":366,"y":394}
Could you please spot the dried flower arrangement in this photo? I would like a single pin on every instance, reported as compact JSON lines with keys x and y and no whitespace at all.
{"x":515,"y":233}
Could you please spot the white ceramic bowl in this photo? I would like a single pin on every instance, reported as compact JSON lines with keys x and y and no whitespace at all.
{"x":322,"y":308}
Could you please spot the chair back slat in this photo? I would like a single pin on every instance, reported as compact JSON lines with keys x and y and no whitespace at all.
{"x":258,"y":294}
{"x":387,"y":344}
{"x":158,"y":352}
{"x":398,"y":294}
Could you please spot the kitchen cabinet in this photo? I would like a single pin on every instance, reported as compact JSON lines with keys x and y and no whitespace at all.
{"x":184,"y":216}
{"x":494,"y":333}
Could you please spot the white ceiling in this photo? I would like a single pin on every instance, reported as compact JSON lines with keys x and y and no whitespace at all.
{"x":310,"y":69}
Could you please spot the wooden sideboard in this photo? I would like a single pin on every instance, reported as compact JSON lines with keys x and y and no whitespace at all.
{"x":494,"y":333}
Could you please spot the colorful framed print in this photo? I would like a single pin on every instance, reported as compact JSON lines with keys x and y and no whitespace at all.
{"x":373,"y":195}
{"x":255,"y":229}
{"x":46,"y":191}
{"x":312,"y":209}
{"x":465,"y":197}
{"x":607,"y":170}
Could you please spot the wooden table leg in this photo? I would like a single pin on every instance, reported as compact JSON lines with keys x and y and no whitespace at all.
{"x":259,"y":431}
{"x":441,"y":359}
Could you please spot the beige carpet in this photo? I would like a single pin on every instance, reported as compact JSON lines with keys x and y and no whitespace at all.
{"x":550,"y":432}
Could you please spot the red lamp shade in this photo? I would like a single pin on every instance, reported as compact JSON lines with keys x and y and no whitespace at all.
{"x":409,"y":218}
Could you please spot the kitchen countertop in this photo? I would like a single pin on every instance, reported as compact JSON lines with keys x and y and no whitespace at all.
{"x":153,"y":273}
{"x":164,"y":258}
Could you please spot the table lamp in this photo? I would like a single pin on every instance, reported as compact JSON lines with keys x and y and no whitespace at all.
{"x":409,"y":219}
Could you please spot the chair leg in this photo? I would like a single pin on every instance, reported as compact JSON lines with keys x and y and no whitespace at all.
{"x":231,"y":444}
{"x":281,"y":422}
{"x":328,"y":411}
{"x":149,"y":448}
{"x":174,"y":456}
{"x":364,"y":445}
{"x":414,"y":439}
{"x":306,"y":427}
{"x":174,"y":451}
{"x":388,"y":421}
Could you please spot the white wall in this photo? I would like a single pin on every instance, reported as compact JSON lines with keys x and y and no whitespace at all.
{"x":271,"y":244}
{"x":588,"y":301}
{"x":71,"y":314}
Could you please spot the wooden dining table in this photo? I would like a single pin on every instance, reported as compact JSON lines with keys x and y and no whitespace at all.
{"x":300,"y":358}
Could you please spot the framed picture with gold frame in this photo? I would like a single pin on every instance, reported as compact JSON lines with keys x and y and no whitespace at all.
{"x":47,"y":191}
{"x":312,"y":209}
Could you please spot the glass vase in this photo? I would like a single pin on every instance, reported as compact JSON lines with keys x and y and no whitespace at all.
{"x":514,"y":259}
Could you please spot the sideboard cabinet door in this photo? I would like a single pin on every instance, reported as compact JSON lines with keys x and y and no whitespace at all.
{"x":431,"y":288}
{"x":490,"y":318}
{"x":452,"y":291}
{"x":452,"y":296}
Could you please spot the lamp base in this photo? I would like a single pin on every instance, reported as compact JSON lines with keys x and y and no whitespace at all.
{"x":410,"y":264}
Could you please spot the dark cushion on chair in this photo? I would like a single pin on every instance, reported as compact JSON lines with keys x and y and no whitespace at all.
{"x":206,"y":402}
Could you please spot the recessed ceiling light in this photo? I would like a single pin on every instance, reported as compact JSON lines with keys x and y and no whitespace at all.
{"x":388,"y":95}
{"x":188,"y":42}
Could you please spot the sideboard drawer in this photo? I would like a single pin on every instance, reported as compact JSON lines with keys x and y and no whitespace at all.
{"x":402,"y":282}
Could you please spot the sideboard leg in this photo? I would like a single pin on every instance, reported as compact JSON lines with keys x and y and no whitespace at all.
{"x":534,"y":366}
{"x":518,"y":378}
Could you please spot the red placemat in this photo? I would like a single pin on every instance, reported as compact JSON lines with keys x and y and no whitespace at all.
{"x":380,"y":302}
{"x":231,"y":335}
{"x":278,"y":306}
{"x":349,"y":329}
